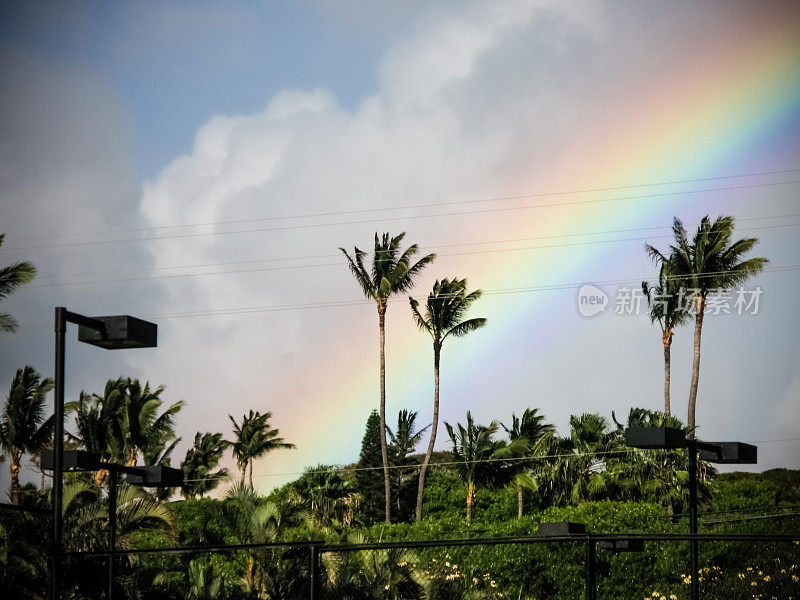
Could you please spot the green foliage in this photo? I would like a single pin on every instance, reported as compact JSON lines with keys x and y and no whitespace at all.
{"x":11,"y":277}
{"x":253,"y":438}
{"x":198,"y":467}
{"x":23,"y":427}
{"x":392,"y":271}
{"x":369,"y":479}
{"x":404,"y":474}
{"x":128,"y":420}
{"x":327,"y":496}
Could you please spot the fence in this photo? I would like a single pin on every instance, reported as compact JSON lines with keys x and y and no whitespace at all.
{"x":588,"y":566}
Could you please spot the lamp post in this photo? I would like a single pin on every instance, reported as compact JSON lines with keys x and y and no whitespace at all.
{"x":110,"y":333}
{"x":561,"y":529}
{"x":153,"y":476}
{"x":662,"y":438}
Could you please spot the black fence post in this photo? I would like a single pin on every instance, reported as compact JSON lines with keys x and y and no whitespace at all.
{"x":314,"y":588}
{"x":112,"y":530}
{"x":693,"y":544}
{"x":591,"y":573}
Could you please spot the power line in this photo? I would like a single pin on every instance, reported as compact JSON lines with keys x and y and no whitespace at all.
{"x":403,"y":218}
{"x":430,"y":205}
{"x":345,"y":303}
{"x":337,"y":264}
{"x":569,"y":455}
{"x":499,"y":291}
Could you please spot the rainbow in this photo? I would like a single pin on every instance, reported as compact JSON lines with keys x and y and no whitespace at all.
{"x":721,"y":113}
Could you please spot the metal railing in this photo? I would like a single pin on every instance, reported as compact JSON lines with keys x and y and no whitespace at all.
{"x":315,"y":550}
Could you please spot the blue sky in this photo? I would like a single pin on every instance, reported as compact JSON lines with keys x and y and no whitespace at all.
{"x":174,"y":65}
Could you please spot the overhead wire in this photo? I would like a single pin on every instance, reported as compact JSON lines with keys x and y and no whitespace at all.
{"x":430,"y":205}
{"x":400,"y":218}
{"x":570,"y":455}
{"x":365,"y":302}
{"x":446,"y":254}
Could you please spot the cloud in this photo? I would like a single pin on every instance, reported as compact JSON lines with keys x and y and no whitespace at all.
{"x":422,"y":136}
{"x":65,"y":168}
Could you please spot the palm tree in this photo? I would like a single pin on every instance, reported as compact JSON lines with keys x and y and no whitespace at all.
{"x":11,"y":278}
{"x":143,"y":428}
{"x":445,"y":308}
{"x":529,"y":431}
{"x":392,"y":273}
{"x":389,"y":574}
{"x":406,"y":438}
{"x":666,"y":309}
{"x":660,"y":476}
{"x":474,"y":452}
{"x":254,"y":439}
{"x":709,"y":262}
{"x":402,"y":446}
{"x":326,"y":494}
{"x":198,"y":467}
{"x":23,"y":428}
{"x":587,"y":449}
{"x":125,"y":421}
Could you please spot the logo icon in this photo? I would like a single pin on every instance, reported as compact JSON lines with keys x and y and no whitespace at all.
{"x":591,"y":300}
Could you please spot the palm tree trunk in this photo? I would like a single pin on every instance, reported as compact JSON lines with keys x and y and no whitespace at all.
{"x":700,"y":306}
{"x":519,"y":501}
{"x":13,"y":469}
{"x":667,"y":339}
{"x":251,"y":473}
{"x":470,"y":499}
{"x":426,"y":461}
{"x":387,"y":484}
{"x":244,"y":473}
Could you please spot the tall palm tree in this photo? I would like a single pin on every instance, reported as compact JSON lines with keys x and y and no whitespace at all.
{"x":11,"y":277}
{"x":391,"y":273}
{"x":23,"y":428}
{"x":666,"y":309}
{"x":198,"y":466}
{"x":710,"y":261}
{"x":254,"y":438}
{"x":529,"y":432}
{"x":445,"y":308}
{"x":474,"y":452}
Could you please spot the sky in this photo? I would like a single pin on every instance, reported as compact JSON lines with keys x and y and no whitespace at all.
{"x":200,"y":164}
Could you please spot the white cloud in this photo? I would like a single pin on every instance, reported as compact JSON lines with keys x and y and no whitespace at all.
{"x":421,"y":137}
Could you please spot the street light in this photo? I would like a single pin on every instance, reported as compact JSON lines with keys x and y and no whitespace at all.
{"x":663,"y":438}
{"x":151,"y":476}
{"x":561,"y":529}
{"x":111,"y":333}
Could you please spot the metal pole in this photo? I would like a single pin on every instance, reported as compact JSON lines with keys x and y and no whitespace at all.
{"x":58,"y":450}
{"x":314,"y":592}
{"x":112,"y":531}
{"x":695,"y":572}
{"x":591,"y":576}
